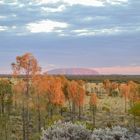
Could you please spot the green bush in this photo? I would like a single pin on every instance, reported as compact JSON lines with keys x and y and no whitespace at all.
{"x":135,"y":110}
{"x":51,"y":121}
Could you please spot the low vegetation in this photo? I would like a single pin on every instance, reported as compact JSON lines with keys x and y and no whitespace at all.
{"x":37,"y":101}
{"x":69,"y":131}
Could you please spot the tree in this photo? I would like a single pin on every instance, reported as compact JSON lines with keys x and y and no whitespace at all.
{"x":80,"y":97}
{"x":134,"y":98}
{"x":27,"y":66}
{"x":5,"y":95}
{"x":55,"y":92}
{"x":93,"y":104}
{"x":5,"y":105}
{"x":135,"y":111}
{"x":19,"y":99}
{"x":72,"y":89}
{"x":114,"y":89}
{"x":133,"y":92}
{"x":76,"y":94}
{"x":125,"y":91}
{"x":38,"y":92}
{"x":107,"y":86}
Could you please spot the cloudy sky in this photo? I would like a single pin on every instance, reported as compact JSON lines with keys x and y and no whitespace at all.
{"x":98,"y":34}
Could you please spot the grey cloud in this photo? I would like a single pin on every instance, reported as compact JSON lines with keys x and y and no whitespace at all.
{"x":124,"y":16}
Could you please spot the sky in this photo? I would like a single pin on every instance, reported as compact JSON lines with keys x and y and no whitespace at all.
{"x":96,"y":34}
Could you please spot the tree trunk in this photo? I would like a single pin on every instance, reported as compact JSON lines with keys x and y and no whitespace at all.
{"x":5,"y":125}
{"x":27,"y":107}
{"x":51,"y":112}
{"x":2,"y":105}
{"x":39,"y":120}
{"x":27,"y":122}
{"x":23,"y":122}
{"x":79,"y":113}
{"x":93,"y":114}
{"x":73,"y":110}
{"x":134,"y":118}
{"x":61,"y":111}
{"x":39,"y":115}
{"x":125,"y":104}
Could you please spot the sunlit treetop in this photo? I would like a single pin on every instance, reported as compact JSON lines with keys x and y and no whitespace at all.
{"x":26,"y":64}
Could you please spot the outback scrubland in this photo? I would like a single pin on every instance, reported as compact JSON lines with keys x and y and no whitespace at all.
{"x":38,"y":106}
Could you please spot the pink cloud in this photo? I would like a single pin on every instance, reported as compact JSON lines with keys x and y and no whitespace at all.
{"x":119,"y":70}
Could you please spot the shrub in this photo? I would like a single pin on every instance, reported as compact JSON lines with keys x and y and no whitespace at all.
{"x":66,"y":131}
{"x":51,"y":121}
{"x":115,"y":133}
{"x":69,"y":131}
{"x":135,"y":110}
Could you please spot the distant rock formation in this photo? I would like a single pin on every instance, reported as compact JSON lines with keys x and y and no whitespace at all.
{"x":72,"y":71}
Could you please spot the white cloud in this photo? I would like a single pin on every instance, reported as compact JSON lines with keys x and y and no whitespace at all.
{"x":46,"y":1}
{"x":3,"y":28}
{"x":110,"y":31}
{"x":46,"y":26}
{"x":81,"y":31}
{"x":63,"y":35}
{"x":116,"y":2}
{"x":106,"y":31}
{"x":51,"y":10}
{"x":13,"y":27}
{"x":14,"y":15}
{"x":96,"y":3}
{"x":3,"y":17}
{"x":21,"y":5}
{"x":92,"y":32}
{"x":17,"y":3}
{"x":100,"y":17}
{"x":1,"y":2}
{"x":58,"y":31}
{"x":13,"y":2}
{"x":84,"y":2}
{"x":88,"y":18}
{"x":7,"y":16}
{"x":91,"y":18}
{"x":87,"y":33}
{"x":74,"y":2}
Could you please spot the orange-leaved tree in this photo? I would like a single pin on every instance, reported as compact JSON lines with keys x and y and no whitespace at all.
{"x":39,"y":89}
{"x":54,"y":94}
{"x":133,"y":87}
{"x":27,"y":67}
{"x":93,"y":103}
{"x":76,"y":94}
{"x":107,"y":86}
{"x":125,"y":92}
{"x":114,"y":89}
{"x":19,"y":100}
{"x":80,"y":97}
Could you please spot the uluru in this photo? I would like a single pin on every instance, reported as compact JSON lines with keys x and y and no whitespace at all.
{"x":73,"y":71}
